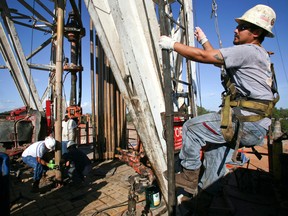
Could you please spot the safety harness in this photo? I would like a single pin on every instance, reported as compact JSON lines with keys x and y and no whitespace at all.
{"x":230,"y":99}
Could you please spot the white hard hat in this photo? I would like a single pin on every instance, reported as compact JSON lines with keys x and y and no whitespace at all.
{"x":262,"y":16}
{"x":50,"y":143}
{"x":70,"y":143}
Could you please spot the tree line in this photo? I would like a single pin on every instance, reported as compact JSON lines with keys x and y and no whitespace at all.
{"x":280,"y":114}
{"x":277,"y":114}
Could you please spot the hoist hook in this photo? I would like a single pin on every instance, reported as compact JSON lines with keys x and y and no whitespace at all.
{"x":214,"y":8}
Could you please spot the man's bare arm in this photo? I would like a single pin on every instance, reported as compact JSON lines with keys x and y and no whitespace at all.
{"x":211,"y":56}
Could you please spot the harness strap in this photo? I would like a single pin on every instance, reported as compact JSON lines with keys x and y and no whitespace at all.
{"x":251,"y":118}
{"x":238,"y":139}
{"x":226,"y":120}
{"x":262,"y":108}
{"x":232,"y":89}
{"x":225,"y":112}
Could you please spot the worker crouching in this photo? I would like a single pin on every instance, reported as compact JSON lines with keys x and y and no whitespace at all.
{"x":77,"y":163}
{"x":33,"y":157}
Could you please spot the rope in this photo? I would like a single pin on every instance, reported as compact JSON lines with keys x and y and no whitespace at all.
{"x":279,"y":48}
{"x":198,"y":70}
{"x":63,"y":89}
{"x":281,"y":56}
{"x":214,"y":13}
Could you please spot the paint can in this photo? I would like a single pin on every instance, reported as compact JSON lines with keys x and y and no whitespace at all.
{"x":153,"y":196}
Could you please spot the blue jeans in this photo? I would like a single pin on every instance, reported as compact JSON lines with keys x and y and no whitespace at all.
{"x":38,"y":168}
{"x":64,"y":147}
{"x":4,"y":164}
{"x":4,"y":184}
{"x":204,"y":131}
{"x":77,"y":175}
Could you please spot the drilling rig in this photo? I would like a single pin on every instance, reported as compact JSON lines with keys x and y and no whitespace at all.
{"x":36,"y":119}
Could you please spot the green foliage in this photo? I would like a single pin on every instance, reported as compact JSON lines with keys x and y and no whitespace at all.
{"x":282,"y":115}
{"x":202,"y":110}
{"x":128,"y":117}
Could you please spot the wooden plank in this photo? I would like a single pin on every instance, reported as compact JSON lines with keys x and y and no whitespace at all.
{"x":136,"y":97}
{"x":140,"y":59}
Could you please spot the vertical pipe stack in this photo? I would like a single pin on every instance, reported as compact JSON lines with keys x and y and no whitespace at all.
{"x":110,"y":109}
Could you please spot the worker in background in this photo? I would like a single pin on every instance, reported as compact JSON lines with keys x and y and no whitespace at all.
{"x":77,"y":163}
{"x":33,"y":157}
{"x":69,"y":127}
{"x":247,"y":67}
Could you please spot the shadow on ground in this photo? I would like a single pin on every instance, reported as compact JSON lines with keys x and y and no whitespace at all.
{"x":69,"y":199}
{"x":242,"y":192}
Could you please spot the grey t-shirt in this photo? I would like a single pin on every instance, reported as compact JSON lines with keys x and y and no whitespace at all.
{"x":248,"y":66}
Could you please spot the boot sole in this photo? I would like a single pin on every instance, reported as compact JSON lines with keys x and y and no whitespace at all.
{"x":188,"y":190}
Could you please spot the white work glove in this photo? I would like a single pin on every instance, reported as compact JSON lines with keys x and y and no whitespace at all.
{"x":166,"y":43}
{"x":200,"y":36}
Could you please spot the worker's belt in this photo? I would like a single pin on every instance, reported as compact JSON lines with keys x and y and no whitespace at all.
{"x":261,"y":109}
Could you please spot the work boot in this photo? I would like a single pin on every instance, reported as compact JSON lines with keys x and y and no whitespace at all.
{"x":35,"y":186}
{"x":188,"y":180}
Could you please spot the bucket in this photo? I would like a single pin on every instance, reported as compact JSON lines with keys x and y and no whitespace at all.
{"x":153,"y":196}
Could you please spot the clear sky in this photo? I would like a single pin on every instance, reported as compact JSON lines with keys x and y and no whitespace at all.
{"x":209,"y":76}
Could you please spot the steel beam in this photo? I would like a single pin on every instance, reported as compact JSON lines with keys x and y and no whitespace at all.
{"x":33,"y":94}
{"x":15,"y":71}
